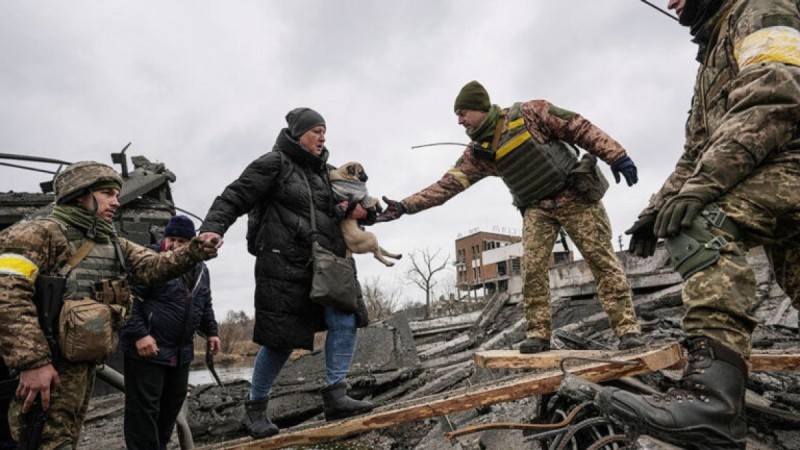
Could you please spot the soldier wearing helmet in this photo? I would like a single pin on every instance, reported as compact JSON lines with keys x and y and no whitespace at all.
{"x":77,"y":243}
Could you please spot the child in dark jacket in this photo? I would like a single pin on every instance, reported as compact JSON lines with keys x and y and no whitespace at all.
{"x":158,"y":342}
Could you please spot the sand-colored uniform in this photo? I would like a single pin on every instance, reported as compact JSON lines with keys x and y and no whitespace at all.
{"x":41,"y":246}
{"x":586,"y":222}
{"x":742,"y":153}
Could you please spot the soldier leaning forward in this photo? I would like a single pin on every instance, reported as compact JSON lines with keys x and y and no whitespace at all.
{"x":77,"y":245}
{"x":531,"y":147}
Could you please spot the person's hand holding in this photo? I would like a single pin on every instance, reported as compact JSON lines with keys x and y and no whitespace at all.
{"x":204,"y":248}
{"x":35,"y":381}
{"x":146,"y":347}
{"x":394,"y":210}
{"x":214,"y":344}
{"x":210,"y":235}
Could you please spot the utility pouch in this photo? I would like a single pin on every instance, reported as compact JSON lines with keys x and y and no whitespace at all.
{"x":588,"y":180}
{"x":88,"y":330}
{"x":115,"y":291}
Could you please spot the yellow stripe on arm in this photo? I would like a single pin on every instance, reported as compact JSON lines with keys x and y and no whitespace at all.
{"x":773,"y":44}
{"x":459,"y":176}
{"x":14,"y":264}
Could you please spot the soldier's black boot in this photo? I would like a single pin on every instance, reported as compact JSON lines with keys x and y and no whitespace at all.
{"x":256,"y":419}
{"x":706,"y":411}
{"x":337,"y":405}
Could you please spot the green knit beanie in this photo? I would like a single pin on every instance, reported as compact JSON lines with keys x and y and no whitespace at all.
{"x":473,"y":96}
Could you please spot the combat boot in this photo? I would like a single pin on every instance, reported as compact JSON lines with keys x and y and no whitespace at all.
{"x":337,"y":405}
{"x":534,"y":345}
{"x":256,"y":419}
{"x":630,"y":340}
{"x":707,"y":410}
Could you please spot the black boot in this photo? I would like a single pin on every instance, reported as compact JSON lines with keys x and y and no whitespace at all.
{"x":256,"y":419}
{"x":707,"y":411}
{"x":338,"y":405}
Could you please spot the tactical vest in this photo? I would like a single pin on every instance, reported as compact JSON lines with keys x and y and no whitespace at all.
{"x":532,"y":171}
{"x":100,"y":264}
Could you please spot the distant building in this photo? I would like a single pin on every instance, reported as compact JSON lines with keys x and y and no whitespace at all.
{"x":488,"y":261}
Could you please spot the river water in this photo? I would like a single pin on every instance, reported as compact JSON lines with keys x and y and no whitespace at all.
{"x":226,"y":374}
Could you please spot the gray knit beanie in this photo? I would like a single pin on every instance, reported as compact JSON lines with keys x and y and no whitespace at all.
{"x":301,"y":120}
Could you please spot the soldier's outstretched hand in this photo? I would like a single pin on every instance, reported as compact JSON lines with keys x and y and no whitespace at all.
{"x":209,"y":235}
{"x":627,"y":168}
{"x":394,"y":210}
{"x":35,"y":381}
{"x":203,"y":249}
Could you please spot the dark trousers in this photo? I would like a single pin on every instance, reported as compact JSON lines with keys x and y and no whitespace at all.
{"x":154,"y":394}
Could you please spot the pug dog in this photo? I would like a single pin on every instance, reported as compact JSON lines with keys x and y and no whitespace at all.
{"x":349,"y":183}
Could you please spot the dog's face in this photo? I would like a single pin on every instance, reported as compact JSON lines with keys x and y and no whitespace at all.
{"x":350,"y":171}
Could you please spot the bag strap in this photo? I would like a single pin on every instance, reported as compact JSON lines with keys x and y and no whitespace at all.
{"x":497,"y":129}
{"x":313,"y":215}
{"x":76,"y":259}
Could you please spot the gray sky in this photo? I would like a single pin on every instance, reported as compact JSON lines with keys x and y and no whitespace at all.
{"x":203,"y":86}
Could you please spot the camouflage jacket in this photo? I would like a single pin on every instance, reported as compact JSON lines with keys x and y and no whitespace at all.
{"x":41,"y":247}
{"x":545,"y":122}
{"x":746,"y":105}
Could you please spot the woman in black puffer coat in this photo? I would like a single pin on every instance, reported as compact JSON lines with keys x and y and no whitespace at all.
{"x":273,"y":186}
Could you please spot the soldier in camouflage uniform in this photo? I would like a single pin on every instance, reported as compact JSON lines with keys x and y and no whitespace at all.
{"x":734,"y":187}
{"x":518,"y":145}
{"x":86,"y":200}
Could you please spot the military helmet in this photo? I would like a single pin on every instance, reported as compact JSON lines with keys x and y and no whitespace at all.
{"x":79,"y":177}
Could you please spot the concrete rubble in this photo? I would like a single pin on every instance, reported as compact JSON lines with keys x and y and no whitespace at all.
{"x":397,"y":361}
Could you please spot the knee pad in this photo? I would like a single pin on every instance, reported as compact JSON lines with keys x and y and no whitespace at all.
{"x":696,"y":247}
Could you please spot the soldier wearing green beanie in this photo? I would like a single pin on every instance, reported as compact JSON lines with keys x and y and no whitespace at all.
{"x":473,"y":96}
{"x":531,"y":146}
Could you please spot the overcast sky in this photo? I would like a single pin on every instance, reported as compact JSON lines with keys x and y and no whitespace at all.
{"x":203,"y":86}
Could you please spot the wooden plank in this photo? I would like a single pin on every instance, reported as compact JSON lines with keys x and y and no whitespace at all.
{"x":760,"y":361}
{"x":498,"y":391}
{"x":774,"y":360}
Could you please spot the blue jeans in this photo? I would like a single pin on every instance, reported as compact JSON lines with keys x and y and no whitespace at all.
{"x":340,"y":344}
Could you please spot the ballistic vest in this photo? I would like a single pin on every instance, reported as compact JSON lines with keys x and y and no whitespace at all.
{"x":101,"y":263}
{"x":532,"y":171}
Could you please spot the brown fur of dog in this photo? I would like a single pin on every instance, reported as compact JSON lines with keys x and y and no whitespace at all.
{"x":360,"y":241}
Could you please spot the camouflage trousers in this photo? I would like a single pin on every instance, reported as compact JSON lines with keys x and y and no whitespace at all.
{"x":766,"y":209}
{"x":68,"y":405}
{"x":589,"y":228}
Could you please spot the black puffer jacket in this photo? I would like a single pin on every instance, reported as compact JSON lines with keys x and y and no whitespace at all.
{"x":171,"y":313}
{"x":285,"y":317}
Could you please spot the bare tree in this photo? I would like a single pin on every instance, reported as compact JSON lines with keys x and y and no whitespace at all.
{"x":235,"y":331}
{"x":381,"y":302}
{"x":422,"y":271}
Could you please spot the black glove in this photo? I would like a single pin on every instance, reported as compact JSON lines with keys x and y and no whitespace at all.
{"x":372,"y":216}
{"x":394,"y":210}
{"x":643,"y":239}
{"x":627,"y":168}
{"x":677,"y":213}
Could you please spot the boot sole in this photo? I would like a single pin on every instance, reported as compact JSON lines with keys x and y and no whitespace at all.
{"x":337,"y":416}
{"x":264,"y":435}
{"x":699,"y":438}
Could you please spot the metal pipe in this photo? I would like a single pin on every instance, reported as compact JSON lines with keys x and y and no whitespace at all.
{"x":182,"y":426}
